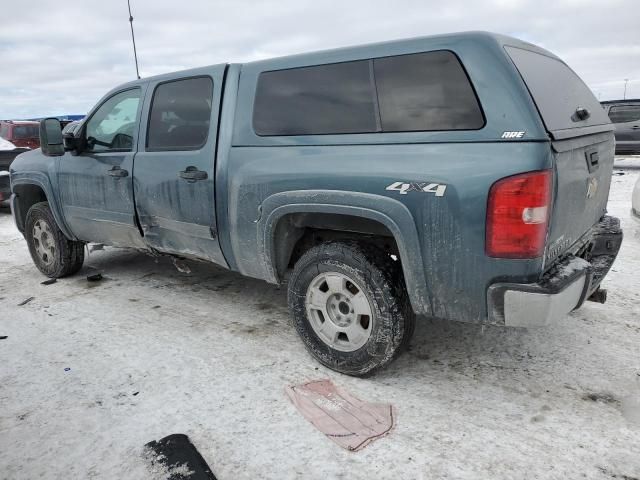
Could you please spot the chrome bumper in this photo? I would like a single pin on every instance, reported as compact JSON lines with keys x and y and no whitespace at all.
{"x":539,"y":304}
{"x":563,"y":288}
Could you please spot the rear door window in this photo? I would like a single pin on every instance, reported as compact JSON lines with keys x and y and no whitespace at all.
{"x":323,"y":99}
{"x":426,"y":91}
{"x":624,"y":113}
{"x":556,"y":90}
{"x":180,"y":115}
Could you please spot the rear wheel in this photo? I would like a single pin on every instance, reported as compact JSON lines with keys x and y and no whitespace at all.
{"x":51,"y":251}
{"x":350,"y":307}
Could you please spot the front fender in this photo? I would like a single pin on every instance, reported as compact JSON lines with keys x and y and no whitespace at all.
{"x":389,"y":212}
{"x":41,"y":180}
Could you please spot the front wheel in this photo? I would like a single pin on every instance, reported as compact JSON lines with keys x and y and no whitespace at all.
{"x":53,"y":254}
{"x":350,"y":307}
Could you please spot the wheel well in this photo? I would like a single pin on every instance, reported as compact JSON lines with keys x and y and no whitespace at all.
{"x":295,"y":233}
{"x":27,"y":195}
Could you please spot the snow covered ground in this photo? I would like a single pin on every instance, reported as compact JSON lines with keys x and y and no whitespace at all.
{"x":153,"y":351}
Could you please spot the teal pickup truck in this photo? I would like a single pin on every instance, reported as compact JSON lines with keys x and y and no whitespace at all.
{"x":460,"y":176}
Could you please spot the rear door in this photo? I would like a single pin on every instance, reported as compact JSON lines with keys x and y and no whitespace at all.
{"x":582,"y":144}
{"x":174,"y":182}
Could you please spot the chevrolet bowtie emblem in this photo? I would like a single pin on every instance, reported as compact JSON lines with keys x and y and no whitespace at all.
{"x":592,"y":187}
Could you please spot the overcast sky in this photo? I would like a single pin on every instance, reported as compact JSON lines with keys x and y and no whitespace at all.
{"x":61,"y":56}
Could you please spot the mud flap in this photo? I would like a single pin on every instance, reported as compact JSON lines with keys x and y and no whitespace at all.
{"x":179,"y":457}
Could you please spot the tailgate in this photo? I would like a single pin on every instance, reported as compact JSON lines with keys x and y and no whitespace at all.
{"x":583,"y":175}
{"x":582,"y":143}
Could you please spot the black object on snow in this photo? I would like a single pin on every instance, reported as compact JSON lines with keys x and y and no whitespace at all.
{"x":24,"y":302}
{"x":177,"y":450}
{"x":3,"y":337}
{"x":49,"y":282}
{"x":94,"y":277}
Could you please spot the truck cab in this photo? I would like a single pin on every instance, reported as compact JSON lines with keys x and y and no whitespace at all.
{"x":439,"y":176}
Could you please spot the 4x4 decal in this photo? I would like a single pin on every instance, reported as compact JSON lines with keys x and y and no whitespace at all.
{"x":437,"y":188}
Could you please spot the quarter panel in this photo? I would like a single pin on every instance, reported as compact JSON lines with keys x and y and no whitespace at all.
{"x":451,"y":228}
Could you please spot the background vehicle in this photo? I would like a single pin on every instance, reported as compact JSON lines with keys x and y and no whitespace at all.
{"x":441,"y":176}
{"x":21,"y":133}
{"x":8,"y":152}
{"x":625,"y":116}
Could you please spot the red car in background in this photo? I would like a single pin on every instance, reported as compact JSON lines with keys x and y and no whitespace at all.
{"x":24,"y":134}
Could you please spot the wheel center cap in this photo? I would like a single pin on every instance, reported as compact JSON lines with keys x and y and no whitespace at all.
{"x":340,"y":310}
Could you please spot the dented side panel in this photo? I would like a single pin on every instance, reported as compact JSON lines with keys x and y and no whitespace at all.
{"x":178,"y":215}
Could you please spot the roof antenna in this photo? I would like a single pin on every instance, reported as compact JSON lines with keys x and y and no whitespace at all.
{"x":133,"y":39}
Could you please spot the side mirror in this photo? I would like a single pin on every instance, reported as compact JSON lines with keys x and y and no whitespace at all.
{"x":51,"y":137}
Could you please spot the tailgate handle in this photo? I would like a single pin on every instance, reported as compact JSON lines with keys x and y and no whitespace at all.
{"x":593,"y":160}
{"x":581,"y":114}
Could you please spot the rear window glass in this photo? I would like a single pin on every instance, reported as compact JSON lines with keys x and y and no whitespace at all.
{"x":557,"y":90}
{"x":416,"y":92}
{"x":180,"y":114}
{"x":426,"y":91}
{"x":323,"y":99}
{"x":625,"y":113}
{"x":26,"y":131}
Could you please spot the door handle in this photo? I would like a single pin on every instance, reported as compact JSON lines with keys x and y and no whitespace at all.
{"x":636,"y":127}
{"x":117,"y":172}
{"x":192,"y":174}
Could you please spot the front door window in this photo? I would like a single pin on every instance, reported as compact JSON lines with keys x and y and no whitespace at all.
{"x":112,"y":126}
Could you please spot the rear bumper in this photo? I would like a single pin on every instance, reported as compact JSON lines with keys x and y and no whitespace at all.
{"x":564,"y":287}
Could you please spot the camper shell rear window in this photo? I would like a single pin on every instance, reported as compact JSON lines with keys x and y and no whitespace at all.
{"x":556,"y":90}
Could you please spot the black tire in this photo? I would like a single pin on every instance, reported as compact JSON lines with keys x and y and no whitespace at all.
{"x":66,"y":257}
{"x":380,"y":279}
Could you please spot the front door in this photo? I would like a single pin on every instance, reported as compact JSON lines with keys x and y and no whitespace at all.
{"x":96,"y":187}
{"x":174,"y":184}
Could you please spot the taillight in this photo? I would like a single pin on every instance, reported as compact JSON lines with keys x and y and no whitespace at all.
{"x":518,"y":215}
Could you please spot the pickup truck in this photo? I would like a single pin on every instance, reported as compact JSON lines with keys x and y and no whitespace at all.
{"x":460,"y":176}
{"x":8,"y":151}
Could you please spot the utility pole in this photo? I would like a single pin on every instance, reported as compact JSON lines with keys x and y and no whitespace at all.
{"x":624,"y":96}
{"x":133,"y":39}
